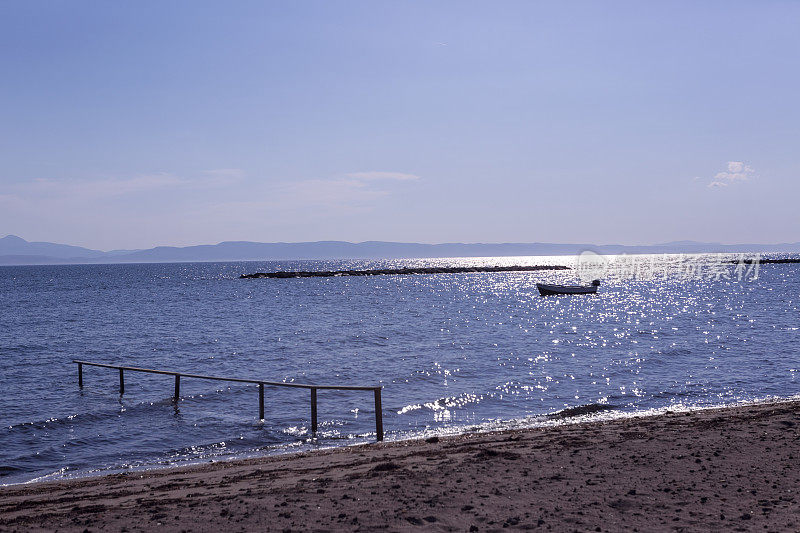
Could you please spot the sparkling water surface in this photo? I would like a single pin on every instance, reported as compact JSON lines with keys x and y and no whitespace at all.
{"x":452,"y":351}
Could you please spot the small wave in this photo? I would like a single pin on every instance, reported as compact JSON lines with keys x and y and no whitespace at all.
{"x":582,"y":410}
{"x":6,"y":470}
{"x":53,"y":422}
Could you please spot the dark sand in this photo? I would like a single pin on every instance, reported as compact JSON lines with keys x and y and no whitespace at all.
{"x":733,"y":469}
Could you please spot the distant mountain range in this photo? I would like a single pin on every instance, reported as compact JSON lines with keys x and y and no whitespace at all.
{"x":17,"y":251}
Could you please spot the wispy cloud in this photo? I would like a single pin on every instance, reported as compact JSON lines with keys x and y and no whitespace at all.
{"x":398,"y":176}
{"x":220,"y":176}
{"x":115,"y":187}
{"x":736,"y":171}
{"x":289,"y":203}
{"x":319,"y":198}
{"x":10,"y":200}
{"x":357,"y":190}
{"x":145,"y":206}
{"x":340,"y":193}
{"x":99,"y":188}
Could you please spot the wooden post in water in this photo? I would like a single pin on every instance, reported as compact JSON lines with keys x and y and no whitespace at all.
{"x":121,"y":383}
{"x":313,"y":410}
{"x":261,"y":401}
{"x":80,"y":375}
{"x":177,"y":387}
{"x":378,"y":415}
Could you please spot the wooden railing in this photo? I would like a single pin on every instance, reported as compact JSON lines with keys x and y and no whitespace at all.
{"x":261,"y":384}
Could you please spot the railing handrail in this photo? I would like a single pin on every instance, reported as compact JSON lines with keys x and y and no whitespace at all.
{"x":236,"y":380}
{"x":261,"y":383}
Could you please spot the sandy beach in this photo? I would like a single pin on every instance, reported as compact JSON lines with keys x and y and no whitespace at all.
{"x":731,"y":469}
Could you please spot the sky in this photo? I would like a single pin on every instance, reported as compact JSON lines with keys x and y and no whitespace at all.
{"x":136,"y":124}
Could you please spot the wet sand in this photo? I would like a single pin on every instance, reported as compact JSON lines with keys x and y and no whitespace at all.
{"x":733,"y":469}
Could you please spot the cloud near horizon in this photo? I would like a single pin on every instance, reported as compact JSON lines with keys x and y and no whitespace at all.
{"x":736,"y":171}
{"x":103,"y":188}
{"x":354,"y":190}
{"x":283,"y":206}
{"x":347,"y":194}
{"x":378,"y":175}
{"x":173,"y":208}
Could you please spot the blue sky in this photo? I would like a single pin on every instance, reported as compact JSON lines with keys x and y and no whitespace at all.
{"x":128,"y":125}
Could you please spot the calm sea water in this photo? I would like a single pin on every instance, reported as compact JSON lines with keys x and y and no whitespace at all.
{"x":452,"y":351}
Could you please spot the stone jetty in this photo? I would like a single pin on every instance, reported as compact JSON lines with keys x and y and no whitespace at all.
{"x":399,"y":271}
{"x":766,"y":261}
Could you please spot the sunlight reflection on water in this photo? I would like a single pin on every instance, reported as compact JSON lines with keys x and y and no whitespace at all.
{"x":451,"y":350}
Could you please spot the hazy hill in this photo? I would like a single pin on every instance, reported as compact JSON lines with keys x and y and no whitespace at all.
{"x":13,"y":245}
{"x":17,"y":251}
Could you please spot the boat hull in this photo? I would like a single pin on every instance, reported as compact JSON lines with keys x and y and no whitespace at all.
{"x":550,"y":290}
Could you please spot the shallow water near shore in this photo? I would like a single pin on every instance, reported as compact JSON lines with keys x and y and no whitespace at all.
{"x":452,"y":351}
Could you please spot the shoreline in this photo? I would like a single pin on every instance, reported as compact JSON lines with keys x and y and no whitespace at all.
{"x":586,"y":414}
{"x":729,"y":468}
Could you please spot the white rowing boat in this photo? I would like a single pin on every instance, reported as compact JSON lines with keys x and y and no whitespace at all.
{"x":547,"y":290}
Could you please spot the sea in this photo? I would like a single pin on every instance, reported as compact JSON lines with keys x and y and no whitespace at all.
{"x":453,"y":353}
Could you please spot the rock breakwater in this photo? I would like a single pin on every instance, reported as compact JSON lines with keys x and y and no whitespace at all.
{"x":766,"y":261}
{"x":399,"y":271}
